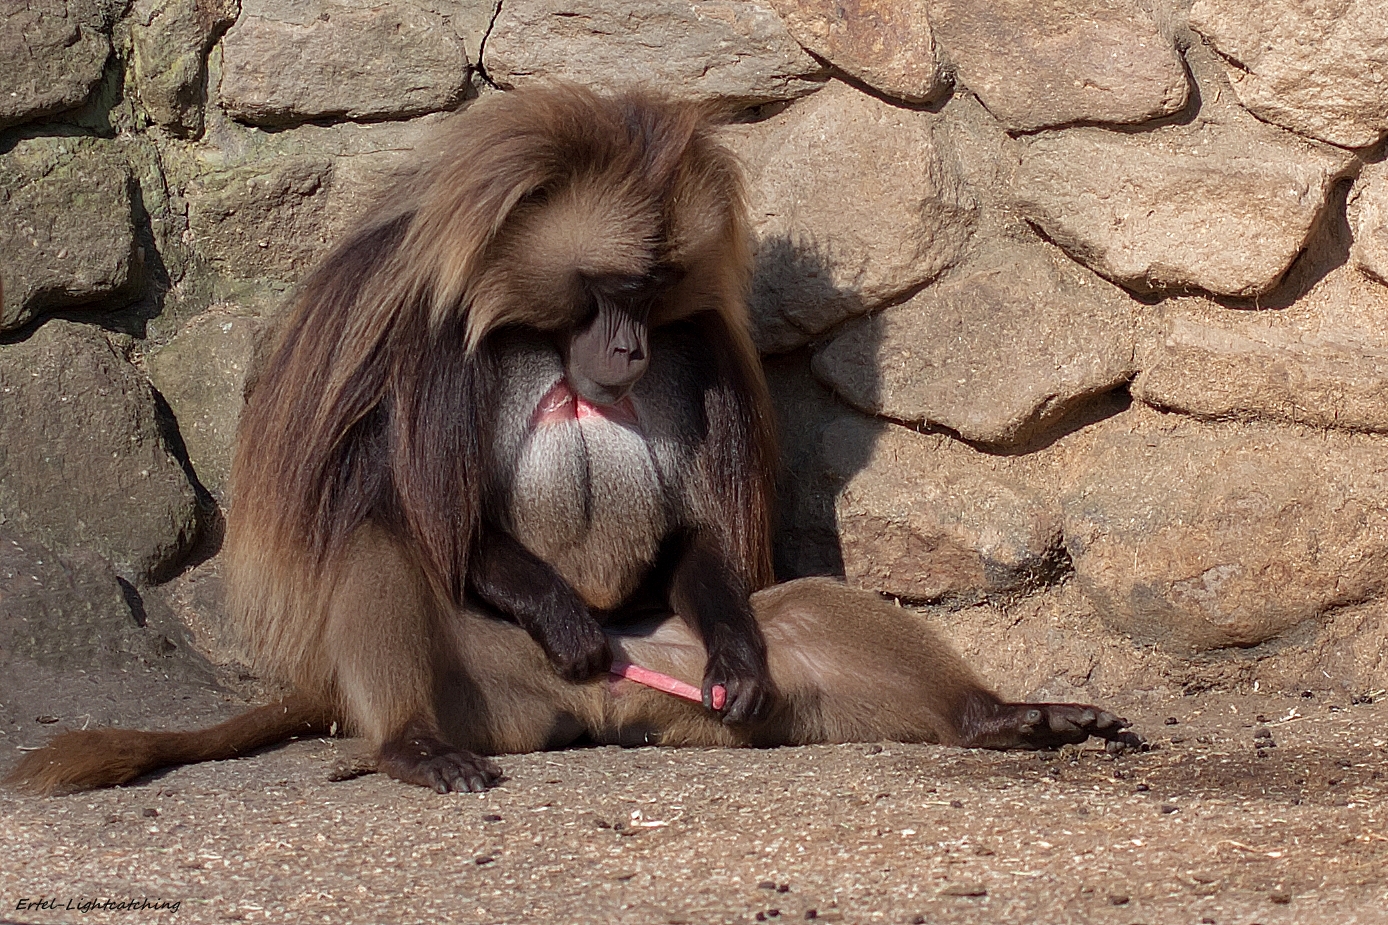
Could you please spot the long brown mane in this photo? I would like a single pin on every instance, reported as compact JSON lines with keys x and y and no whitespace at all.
{"x":374,"y":403}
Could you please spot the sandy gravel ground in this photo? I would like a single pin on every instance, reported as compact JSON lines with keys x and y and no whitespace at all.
{"x":1249,"y":809}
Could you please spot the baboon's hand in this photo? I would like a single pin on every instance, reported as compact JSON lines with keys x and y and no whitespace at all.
{"x":746,"y":682}
{"x":577,"y":648}
{"x":433,"y":763}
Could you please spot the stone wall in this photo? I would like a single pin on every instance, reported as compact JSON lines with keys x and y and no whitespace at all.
{"x":1076,"y":312}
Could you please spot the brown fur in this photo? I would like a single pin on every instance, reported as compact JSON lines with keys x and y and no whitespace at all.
{"x":90,"y":758}
{"x":367,"y":454}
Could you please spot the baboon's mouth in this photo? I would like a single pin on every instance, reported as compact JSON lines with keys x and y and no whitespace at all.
{"x":562,"y":405}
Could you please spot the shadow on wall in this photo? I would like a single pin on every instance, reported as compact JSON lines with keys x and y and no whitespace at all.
{"x":812,"y":474}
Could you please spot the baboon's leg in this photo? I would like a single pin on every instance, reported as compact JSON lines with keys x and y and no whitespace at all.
{"x":501,"y":694}
{"x":382,"y":645}
{"x":850,"y":667}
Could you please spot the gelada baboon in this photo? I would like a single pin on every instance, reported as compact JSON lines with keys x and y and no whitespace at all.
{"x":514,"y":426}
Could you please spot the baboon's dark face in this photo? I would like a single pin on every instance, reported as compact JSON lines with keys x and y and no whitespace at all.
{"x":609,"y":349}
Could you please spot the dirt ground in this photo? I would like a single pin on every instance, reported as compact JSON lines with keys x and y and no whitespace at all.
{"x":1249,"y":808}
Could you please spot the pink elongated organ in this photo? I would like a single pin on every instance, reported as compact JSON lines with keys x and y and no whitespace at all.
{"x":663,"y":682}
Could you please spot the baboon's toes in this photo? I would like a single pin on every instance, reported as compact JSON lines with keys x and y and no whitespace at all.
{"x":1049,"y":725}
{"x":429,"y":762}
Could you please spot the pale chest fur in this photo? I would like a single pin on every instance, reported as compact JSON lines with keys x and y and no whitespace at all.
{"x":591,"y":496}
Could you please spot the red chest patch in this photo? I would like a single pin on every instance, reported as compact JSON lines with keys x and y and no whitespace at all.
{"x":562,"y":404}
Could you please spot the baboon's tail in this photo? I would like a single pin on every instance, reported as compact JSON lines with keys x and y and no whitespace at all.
{"x":92,"y":758}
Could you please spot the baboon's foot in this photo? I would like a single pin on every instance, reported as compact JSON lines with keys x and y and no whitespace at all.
{"x":1047,"y":725}
{"x":433,"y":763}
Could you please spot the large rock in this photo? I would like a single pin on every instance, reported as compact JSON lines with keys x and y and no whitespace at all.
{"x":1056,"y":62}
{"x":926,"y":518}
{"x":1199,"y":537}
{"x":82,"y":461}
{"x":726,"y":49}
{"x":169,"y":41}
{"x":1368,"y":217}
{"x":72,"y":612}
{"x":266,"y":206}
{"x":1218,"y":206}
{"x":67,"y":234}
{"x":52,"y":55}
{"x":1315,"y":68}
{"x":201,"y":373}
{"x":853,"y":202}
{"x":314,"y":59}
{"x":1005,"y":344}
{"x":884,"y":43}
{"x":1322,"y":362}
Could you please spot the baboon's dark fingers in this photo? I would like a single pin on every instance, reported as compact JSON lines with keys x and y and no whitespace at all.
{"x":744,"y":700}
{"x":579,"y":651}
{"x":746,"y":691}
{"x":1047,"y":725}
{"x":433,"y":763}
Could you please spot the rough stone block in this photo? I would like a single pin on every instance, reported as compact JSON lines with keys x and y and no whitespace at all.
{"x":1056,"y":62}
{"x":201,"y":373}
{"x":52,"y":56}
{"x":67,"y":234}
{"x":1322,"y":362}
{"x":285,"y":63}
{"x":1200,"y":537}
{"x":884,"y":43}
{"x":1005,"y":344}
{"x":926,"y":518}
{"x":82,"y":462}
{"x":1315,"y":68}
{"x":1218,"y":206}
{"x":169,"y":41}
{"x":853,"y":202}
{"x":725,"y":49}
{"x":1368,"y":218}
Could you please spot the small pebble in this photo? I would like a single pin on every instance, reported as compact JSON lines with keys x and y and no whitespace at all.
{"x":956,"y":804}
{"x":964,"y":890}
{"x":150,"y":812}
{"x":1172,"y":721}
{"x":46,"y":720}
{"x":811,"y":913}
{"x":1141,"y":788}
{"x":483,"y":860}
{"x":1167,"y":809}
{"x":491,"y":817}
{"x":1281,"y":898}
{"x":1119,"y":900}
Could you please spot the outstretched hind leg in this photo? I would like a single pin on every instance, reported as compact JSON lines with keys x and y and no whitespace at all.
{"x":853,"y":667}
{"x":992,"y":723}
